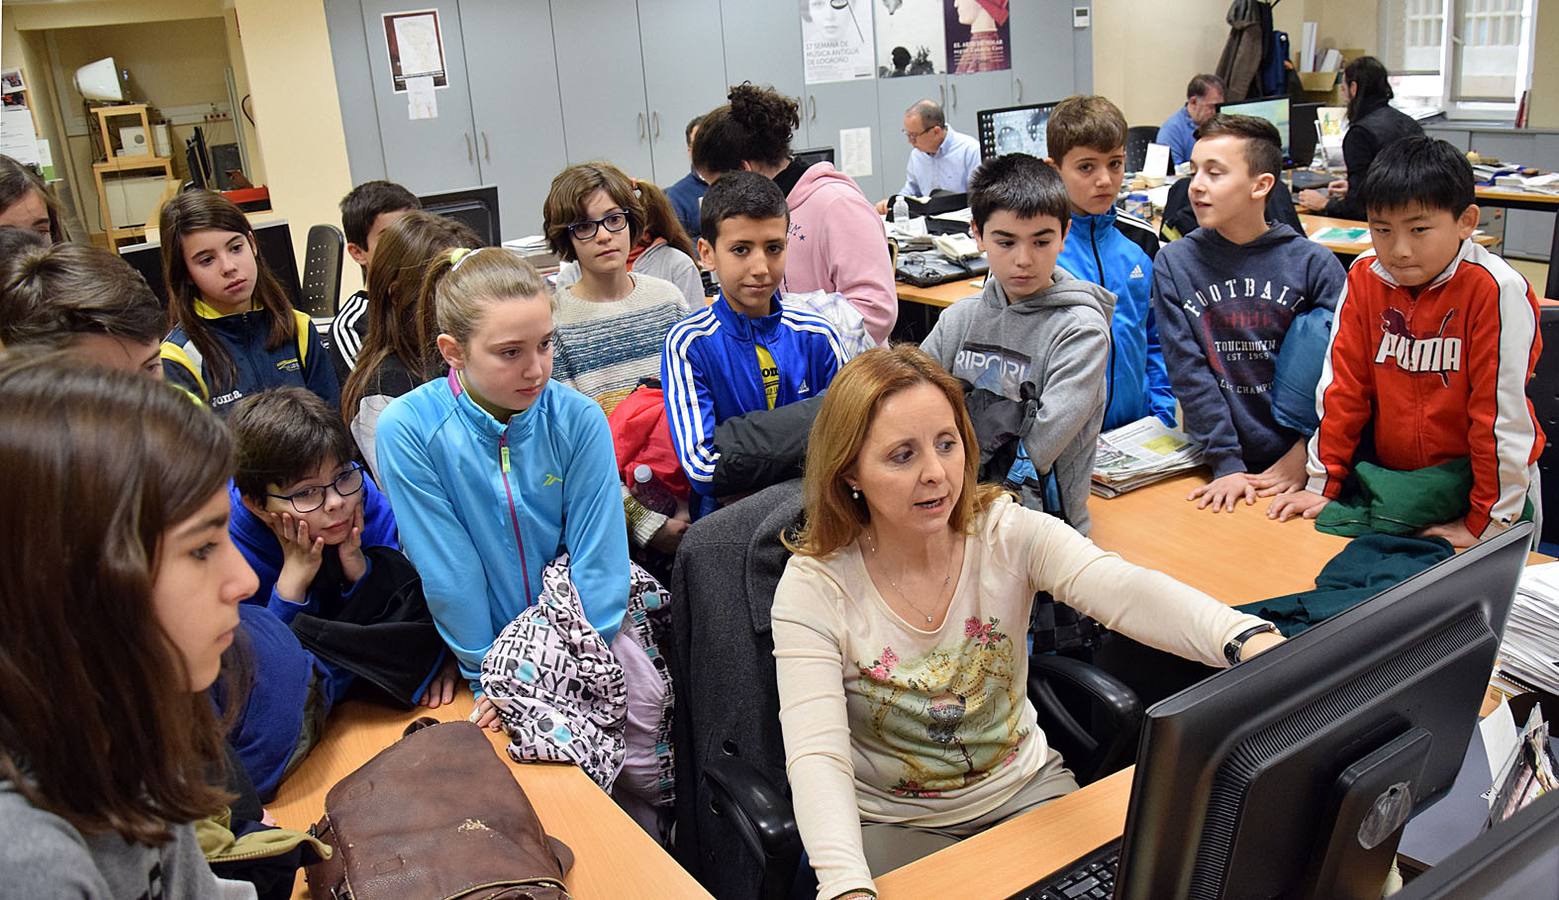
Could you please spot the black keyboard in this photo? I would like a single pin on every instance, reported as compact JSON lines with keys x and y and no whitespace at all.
{"x":1092,"y":877}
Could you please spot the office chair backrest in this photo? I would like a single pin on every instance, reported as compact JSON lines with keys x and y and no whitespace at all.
{"x":1138,"y":137}
{"x":1543,"y":391}
{"x":322,"y":270}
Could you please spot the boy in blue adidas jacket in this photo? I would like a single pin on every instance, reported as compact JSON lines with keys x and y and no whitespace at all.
{"x":747,"y":351}
{"x":1086,"y":139}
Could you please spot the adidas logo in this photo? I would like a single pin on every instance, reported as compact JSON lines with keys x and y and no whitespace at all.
{"x":803,"y":389}
{"x":1136,"y":272}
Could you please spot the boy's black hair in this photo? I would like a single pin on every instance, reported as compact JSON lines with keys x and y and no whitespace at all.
{"x":282,"y":436}
{"x":740,"y":194}
{"x":367,"y":202}
{"x":1418,"y":171}
{"x":1024,"y":185}
{"x":1263,"y":143}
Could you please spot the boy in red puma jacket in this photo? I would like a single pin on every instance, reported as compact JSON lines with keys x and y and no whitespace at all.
{"x":1434,"y":341}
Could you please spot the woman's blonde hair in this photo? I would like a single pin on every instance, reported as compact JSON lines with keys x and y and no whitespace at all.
{"x":464,"y":282}
{"x":833,"y":517}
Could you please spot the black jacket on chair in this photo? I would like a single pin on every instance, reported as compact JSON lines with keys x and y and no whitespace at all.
{"x":722,"y":663}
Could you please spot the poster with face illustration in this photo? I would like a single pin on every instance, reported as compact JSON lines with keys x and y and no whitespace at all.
{"x":978,"y":36}
{"x":836,"y":40}
{"x":911,"y":38}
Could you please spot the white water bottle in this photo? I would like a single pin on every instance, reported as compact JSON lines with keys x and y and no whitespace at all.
{"x":900,"y":210}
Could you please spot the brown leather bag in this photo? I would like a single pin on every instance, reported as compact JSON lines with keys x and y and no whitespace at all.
{"x":438,"y":815}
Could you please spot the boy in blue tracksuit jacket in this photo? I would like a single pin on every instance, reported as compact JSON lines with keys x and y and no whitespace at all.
{"x":747,"y":351}
{"x":1086,"y":137}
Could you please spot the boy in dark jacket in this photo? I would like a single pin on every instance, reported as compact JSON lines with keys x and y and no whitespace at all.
{"x":1086,"y":137}
{"x":1225,"y":297}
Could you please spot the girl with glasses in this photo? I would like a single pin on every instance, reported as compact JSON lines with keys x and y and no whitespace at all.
{"x":612,"y":321}
{"x":321,"y":538}
{"x":119,"y":588}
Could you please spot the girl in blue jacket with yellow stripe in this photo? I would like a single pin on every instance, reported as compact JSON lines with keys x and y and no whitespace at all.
{"x":495,"y":469}
{"x":237,"y":333}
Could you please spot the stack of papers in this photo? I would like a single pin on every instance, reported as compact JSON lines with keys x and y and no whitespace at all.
{"x":1529,"y":656}
{"x":1141,"y":453}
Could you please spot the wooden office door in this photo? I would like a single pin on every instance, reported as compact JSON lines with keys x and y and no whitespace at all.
{"x":514,"y":95}
{"x":894,"y":97}
{"x":425,"y":155}
{"x":684,"y":76}
{"x":601,"y":82}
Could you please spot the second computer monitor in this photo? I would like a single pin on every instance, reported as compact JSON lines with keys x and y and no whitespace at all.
{"x":1275,"y":110}
{"x":1292,"y":774}
{"x":476,"y":208}
{"x":1014,"y":129}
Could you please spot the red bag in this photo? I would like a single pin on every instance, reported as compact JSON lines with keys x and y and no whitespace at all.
{"x":642,"y":436}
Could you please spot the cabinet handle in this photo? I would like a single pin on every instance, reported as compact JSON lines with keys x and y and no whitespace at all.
{"x":655,"y":122}
{"x":487,"y":152}
{"x":641,"y":126}
{"x":812,"y":104}
{"x":1019,"y":83}
{"x":470,"y":153}
{"x":954,"y":89}
{"x":941,"y":91}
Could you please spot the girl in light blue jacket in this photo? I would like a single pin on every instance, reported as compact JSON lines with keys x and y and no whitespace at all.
{"x":495,"y":469}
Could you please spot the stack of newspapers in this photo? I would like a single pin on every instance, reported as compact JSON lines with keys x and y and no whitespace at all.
{"x":1141,"y":453}
{"x":1529,"y":655}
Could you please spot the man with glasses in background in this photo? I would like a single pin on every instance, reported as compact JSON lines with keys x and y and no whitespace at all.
{"x":942,"y":159}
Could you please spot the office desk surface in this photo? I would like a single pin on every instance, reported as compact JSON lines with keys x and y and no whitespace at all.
{"x":613,"y":857}
{"x":1236,"y":557}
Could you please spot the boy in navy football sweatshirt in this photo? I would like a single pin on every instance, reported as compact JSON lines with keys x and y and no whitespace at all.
{"x":1225,"y":297}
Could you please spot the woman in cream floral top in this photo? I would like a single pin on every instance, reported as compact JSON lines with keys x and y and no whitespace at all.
{"x":899,"y":628}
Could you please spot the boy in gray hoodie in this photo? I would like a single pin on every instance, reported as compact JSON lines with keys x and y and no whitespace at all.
{"x":1225,"y":296}
{"x":1033,"y":347}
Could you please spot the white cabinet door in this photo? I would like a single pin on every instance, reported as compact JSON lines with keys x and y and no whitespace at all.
{"x":514,"y":94}
{"x":425,"y":155}
{"x":601,"y":83}
{"x":684,"y":76}
{"x":831,"y":108}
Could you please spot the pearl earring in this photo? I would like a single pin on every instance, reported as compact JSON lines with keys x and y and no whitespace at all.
{"x":855,"y":492}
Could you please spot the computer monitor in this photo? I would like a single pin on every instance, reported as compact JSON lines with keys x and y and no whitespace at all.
{"x":1291,"y":774}
{"x":814,"y":155}
{"x":1014,"y":129}
{"x":1302,"y":133}
{"x":1274,"y":110}
{"x":275,"y":243}
{"x":1517,"y":859}
{"x":476,"y":208}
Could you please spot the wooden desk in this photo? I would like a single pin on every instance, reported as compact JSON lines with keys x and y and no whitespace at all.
{"x":1236,"y":557}
{"x":1314,"y":224}
{"x":940,"y":296}
{"x":613,"y":857}
{"x":1531,"y":202}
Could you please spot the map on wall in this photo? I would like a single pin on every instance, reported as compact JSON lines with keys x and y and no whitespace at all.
{"x":416,"y":47}
{"x":836,"y":40}
{"x":911,"y":38}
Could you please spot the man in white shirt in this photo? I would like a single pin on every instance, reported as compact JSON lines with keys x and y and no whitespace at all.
{"x":942,"y":159}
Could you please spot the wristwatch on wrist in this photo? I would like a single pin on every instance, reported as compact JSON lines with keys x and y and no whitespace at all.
{"x":1231,"y":650}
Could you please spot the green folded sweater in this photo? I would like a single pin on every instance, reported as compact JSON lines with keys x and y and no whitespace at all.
{"x":1393,"y":502}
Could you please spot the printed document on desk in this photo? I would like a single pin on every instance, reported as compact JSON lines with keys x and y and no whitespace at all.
{"x":1529,"y":655}
{"x":1139,"y":454}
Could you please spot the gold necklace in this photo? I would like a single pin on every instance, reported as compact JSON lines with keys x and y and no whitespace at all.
{"x":947,"y":575}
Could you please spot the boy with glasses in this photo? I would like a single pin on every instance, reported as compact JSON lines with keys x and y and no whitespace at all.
{"x":321,"y":538}
{"x":942,"y":159}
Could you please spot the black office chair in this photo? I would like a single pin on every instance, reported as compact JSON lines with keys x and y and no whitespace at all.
{"x":1543,"y":391}
{"x":1138,"y":137}
{"x":322,"y":270}
{"x":1089,"y":717}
